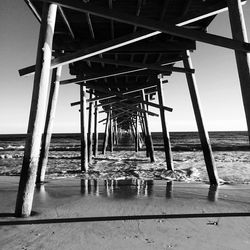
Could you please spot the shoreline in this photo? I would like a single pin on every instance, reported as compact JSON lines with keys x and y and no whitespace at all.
{"x":60,"y":207}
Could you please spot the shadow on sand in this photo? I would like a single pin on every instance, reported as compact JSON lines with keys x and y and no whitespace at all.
{"x":121,"y":218}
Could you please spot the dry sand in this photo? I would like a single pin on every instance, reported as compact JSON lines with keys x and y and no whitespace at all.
{"x":73,"y":199}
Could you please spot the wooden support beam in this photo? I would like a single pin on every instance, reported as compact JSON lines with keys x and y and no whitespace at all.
{"x":106,"y":134}
{"x":65,"y":19}
{"x":37,"y":113}
{"x":136,"y":134}
{"x":151,"y":24}
{"x":239,"y":33}
{"x":93,"y":51}
{"x":166,"y":137}
{"x":90,"y":135}
{"x":111,"y":95}
{"x":51,"y":110}
{"x":157,"y":106}
{"x":132,"y":107}
{"x":122,"y":41}
{"x":118,"y":95}
{"x":95,"y":149}
{"x":204,"y":137}
{"x":163,"y":67}
{"x":83,"y":123}
{"x":108,"y":74}
{"x":148,"y":134}
{"x":34,"y":10}
{"x":111,"y":132}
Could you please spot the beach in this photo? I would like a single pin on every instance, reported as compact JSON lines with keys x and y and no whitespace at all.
{"x":60,"y":207}
{"x":127,"y":202}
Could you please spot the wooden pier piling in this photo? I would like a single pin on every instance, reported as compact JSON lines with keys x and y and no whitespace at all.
{"x":204,"y":137}
{"x":95,"y":148}
{"x":37,"y":113}
{"x":239,"y":33}
{"x":53,"y":96}
{"x":148,"y":135}
{"x":106,"y":134}
{"x":166,"y":137}
{"x":90,"y":135}
{"x":83,"y":123}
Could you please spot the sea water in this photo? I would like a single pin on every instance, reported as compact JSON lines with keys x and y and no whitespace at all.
{"x":230,"y":150}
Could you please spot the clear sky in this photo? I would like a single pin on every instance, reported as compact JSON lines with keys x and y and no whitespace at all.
{"x":216,"y":74}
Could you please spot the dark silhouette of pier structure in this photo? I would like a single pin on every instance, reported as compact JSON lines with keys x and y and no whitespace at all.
{"x":121,"y":53}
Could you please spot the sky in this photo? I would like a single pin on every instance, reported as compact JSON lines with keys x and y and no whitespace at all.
{"x":215,"y":69}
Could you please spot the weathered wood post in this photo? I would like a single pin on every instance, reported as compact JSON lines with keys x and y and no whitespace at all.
{"x":111,"y":132}
{"x":90,"y":135}
{"x":136,"y":133}
{"x":148,"y":135}
{"x":37,"y":113}
{"x":145,"y":135}
{"x":115,"y":132}
{"x":106,"y":134}
{"x":143,"y":131}
{"x":204,"y":137}
{"x":239,"y":33}
{"x":95,"y":149}
{"x":166,"y":137}
{"x":83,"y":122}
{"x":51,"y":110}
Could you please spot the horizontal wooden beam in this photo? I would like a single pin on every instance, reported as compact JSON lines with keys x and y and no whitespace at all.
{"x":157,"y":106}
{"x":132,"y":107}
{"x":118,"y":42}
{"x":153,"y":25}
{"x":119,"y":94}
{"x":93,"y":51}
{"x":158,"y":67}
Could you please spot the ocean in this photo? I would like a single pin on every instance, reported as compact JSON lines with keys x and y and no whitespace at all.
{"x":230,"y":150}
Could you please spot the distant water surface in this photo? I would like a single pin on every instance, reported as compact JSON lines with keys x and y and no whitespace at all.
{"x":231,"y":153}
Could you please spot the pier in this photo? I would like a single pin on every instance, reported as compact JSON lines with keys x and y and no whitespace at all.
{"x":121,"y":54}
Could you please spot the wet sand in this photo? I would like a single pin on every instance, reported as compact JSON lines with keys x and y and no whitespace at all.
{"x":196,"y":217}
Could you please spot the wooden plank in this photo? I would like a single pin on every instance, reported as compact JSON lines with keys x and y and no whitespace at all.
{"x":166,"y":137}
{"x":204,"y":137}
{"x":120,"y":42}
{"x":239,"y":33}
{"x":151,"y":24}
{"x":50,"y":116}
{"x":37,"y":113}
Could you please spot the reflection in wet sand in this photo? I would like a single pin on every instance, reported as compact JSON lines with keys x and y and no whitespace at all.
{"x":43,"y":195}
{"x":123,"y":189}
{"x":169,"y":190}
{"x":89,"y":187}
{"x":213,"y":193}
